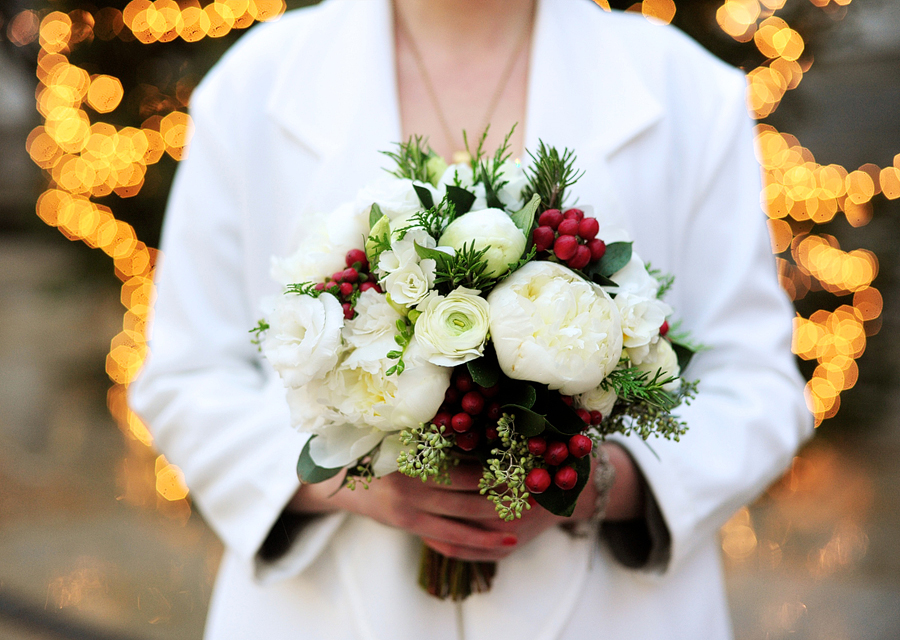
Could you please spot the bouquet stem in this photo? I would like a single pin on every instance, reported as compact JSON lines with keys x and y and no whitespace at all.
{"x":452,"y":578}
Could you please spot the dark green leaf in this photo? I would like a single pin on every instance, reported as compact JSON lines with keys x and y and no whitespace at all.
{"x":525,"y":217}
{"x":520,"y":393}
{"x":592,"y":272}
{"x":616,"y":257}
{"x":308,"y":471}
{"x":485,"y":371}
{"x":562,"y":503}
{"x":490,"y":195}
{"x":527,"y":422}
{"x":438,"y":256}
{"x":462,"y":199}
{"x":684,"y":354}
{"x":561,"y":418}
{"x":425,"y":196}
{"x":375,"y":214}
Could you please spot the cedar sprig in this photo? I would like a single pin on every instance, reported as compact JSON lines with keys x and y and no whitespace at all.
{"x":550,"y":175}
{"x":412,"y":159}
{"x":645,"y":418}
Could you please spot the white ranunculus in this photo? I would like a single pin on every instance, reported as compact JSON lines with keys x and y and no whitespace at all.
{"x":371,"y":333}
{"x":491,"y":228}
{"x":395,"y":196}
{"x":641,"y":318}
{"x":662,"y":357}
{"x":304,"y":337}
{"x":549,"y":325}
{"x":598,"y":399}
{"x":452,"y":330}
{"x":407,"y":278}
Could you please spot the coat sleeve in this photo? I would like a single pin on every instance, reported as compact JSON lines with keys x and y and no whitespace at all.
{"x":213,"y":408}
{"x":749,"y":417}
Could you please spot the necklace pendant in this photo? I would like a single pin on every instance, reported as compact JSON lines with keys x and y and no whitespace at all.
{"x":461,"y":157}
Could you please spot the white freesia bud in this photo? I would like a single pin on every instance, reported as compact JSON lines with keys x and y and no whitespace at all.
{"x":598,"y":399}
{"x":304,"y":337}
{"x":549,"y":325}
{"x":452,"y":330}
{"x":491,"y":228}
{"x":662,"y":357}
{"x":641,"y":318}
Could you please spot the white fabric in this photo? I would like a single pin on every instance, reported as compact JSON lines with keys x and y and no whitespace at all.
{"x":288,"y":126}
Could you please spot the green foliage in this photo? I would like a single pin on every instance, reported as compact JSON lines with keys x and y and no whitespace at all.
{"x":435,"y":219}
{"x":490,"y":172}
{"x":550,"y":175}
{"x":647,"y":413}
{"x":259,"y":332}
{"x":308,"y":471}
{"x":403,"y":338}
{"x":503,"y":480}
{"x":362,"y":473}
{"x":665,"y":280}
{"x":427,"y":453}
{"x":464,"y":269}
{"x":306,"y":289}
{"x":412,"y":159}
{"x":485,"y":371}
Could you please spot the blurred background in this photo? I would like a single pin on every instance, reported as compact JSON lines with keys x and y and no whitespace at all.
{"x":98,"y":538}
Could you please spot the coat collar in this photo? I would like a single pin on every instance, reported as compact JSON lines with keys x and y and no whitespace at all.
{"x":584,"y":90}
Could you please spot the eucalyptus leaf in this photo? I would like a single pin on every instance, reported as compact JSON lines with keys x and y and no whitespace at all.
{"x":527,"y":422}
{"x":462,"y":199}
{"x":425,"y":196}
{"x":309,"y":472}
{"x":562,"y":503}
{"x":617,"y":255}
{"x":525,"y":218}
{"x":485,"y":371}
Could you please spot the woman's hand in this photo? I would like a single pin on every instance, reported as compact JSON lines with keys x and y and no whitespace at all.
{"x":455,"y":519}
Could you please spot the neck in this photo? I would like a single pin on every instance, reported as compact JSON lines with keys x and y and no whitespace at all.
{"x":476,"y":24}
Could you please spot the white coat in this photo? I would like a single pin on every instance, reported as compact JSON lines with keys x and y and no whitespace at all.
{"x":289,"y":125}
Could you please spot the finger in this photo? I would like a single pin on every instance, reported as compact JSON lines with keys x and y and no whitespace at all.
{"x":469,"y":553}
{"x":461,"y":534}
{"x":464,"y":505}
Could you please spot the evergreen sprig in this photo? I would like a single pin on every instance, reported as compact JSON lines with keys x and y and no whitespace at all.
{"x":465,"y":269}
{"x":665,"y":280}
{"x":427,"y":453}
{"x":503,"y":480}
{"x":645,"y":418}
{"x":412,"y":159}
{"x":434,"y":220}
{"x":306,"y":289}
{"x":491,"y":171}
{"x":550,"y":175}
{"x":632,"y":385}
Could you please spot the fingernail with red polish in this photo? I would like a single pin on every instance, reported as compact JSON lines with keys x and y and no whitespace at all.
{"x":510,"y":541}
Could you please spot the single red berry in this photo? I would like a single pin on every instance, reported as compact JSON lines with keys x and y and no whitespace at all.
{"x":580,"y":446}
{"x":461,"y":422}
{"x":357,"y":255}
{"x":489,"y":392}
{"x":581,"y":259}
{"x":567,"y":400}
{"x":556,"y":453}
{"x":596,"y":417}
{"x":493,"y":411}
{"x":491,"y":433}
{"x":365,"y":286}
{"x":597,"y":247}
{"x":565,"y":478}
{"x":338,"y":276}
{"x":664,"y":328}
{"x":351,"y":274}
{"x":573,"y":214}
{"x":537,"y":445}
{"x":565,"y":247}
{"x":467,"y":441}
{"x":588,"y":228}
{"x":568,"y":228}
{"x":348,"y":311}
{"x":584,"y":414}
{"x":319,"y":286}
{"x":537,"y":480}
{"x":464,"y":381}
{"x":451,"y":395}
{"x":551,"y":218}
{"x":472,"y":403}
{"x":378,"y":289}
{"x":346,"y":289}
{"x":442,"y":419}
{"x":543,"y":238}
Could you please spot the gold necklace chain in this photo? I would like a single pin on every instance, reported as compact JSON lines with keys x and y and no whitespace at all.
{"x":432,"y":94}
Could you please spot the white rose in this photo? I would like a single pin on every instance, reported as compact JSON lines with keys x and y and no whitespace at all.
{"x":641,"y":318}
{"x":598,"y":399}
{"x":304,"y":337}
{"x":662,"y":358}
{"x":395,"y":196}
{"x":407,"y":277}
{"x":491,"y":228}
{"x":452,"y":330}
{"x":551,"y":326}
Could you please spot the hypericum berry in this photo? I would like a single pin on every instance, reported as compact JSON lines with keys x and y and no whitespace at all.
{"x":580,"y":446}
{"x":493,"y":411}
{"x":596,"y":417}
{"x":597,"y":247}
{"x":551,"y":218}
{"x":664,"y":328}
{"x":489,"y":392}
{"x":365,"y":286}
{"x":588,"y":228}
{"x":584,"y":414}
{"x":567,"y":400}
{"x":351,"y":274}
{"x":442,"y":419}
{"x":464,"y":382}
{"x":556,"y":453}
{"x":543,"y":238}
{"x":320,"y":286}
{"x":565,"y":247}
{"x":467,"y":441}
{"x":491,"y":433}
{"x":565,"y":478}
{"x":357,"y":255}
{"x":451,"y":395}
{"x":472,"y":403}
{"x":573,"y":214}
{"x":537,"y":480}
{"x":461,"y":422}
{"x":346,"y":289}
{"x":338,"y":276}
{"x":581,"y":259}
{"x":348,"y":311}
{"x":568,"y":228}
{"x":537,"y":445}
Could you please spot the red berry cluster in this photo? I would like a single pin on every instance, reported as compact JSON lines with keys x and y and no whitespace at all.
{"x":343,"y":284}
{"x":555,"y":454}
{"x":470,"y":411}
{"x":571,"y":237}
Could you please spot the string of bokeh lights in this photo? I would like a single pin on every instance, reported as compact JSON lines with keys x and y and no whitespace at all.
{"x":85,"y":158}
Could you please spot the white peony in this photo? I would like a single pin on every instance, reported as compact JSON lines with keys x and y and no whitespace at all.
{"x":407,"y":277}
{"x":641,"y":318}
{"x":634,"y":278}
{"x":452,"y":330}
{"x":598,"y":399}
{"x":304,"y":337}
{"x":491,"y":228}
{"x":662,"y":357}
{"x":551,"y":326}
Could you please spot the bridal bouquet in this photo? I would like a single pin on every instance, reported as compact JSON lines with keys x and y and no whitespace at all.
{"x":464,"y":311}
